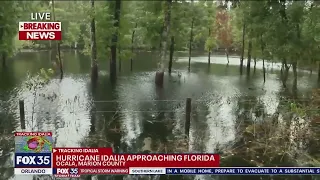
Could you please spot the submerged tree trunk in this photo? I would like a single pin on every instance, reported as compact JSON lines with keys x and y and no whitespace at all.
{"x":318,"y":71}
{"x":113,"y":61}
{"x":4,"y":59}
{"x":294,"y":65}
{"x":60,"y":60}
{"x":242,"y":53}
{"x":3,"y":54}
{"x":227,"y":53}
{"x":119,"y":57}
{"x":58,"y":55}
{"x":262,"y":45}
{"x":164,"y":38}
{"x":255,"y":64}
{"x":209,"y":52}
{"x":264,"y":71}
{"x":295,"y":76}
{"x":285,"y":73}
{"x":190,"y":44}
{"x":93,"y":120}
{"x":311,"y":67}
{"x":132,"y":45}
{"x":263,"y":64}
{"x":57,"y":44}
{"x":94,"y":63}
{"x":249,"y":57}
{"x":171,"y":54}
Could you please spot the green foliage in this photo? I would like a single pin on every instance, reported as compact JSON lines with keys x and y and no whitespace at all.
{"x":10,"y":12}
{"x":301,"y":112}
{"x":210,"y":44}
{"x":288,"y":30}
{"x":39,"y":80}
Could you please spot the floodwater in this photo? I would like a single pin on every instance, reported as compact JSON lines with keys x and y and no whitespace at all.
{"x":134,"y":111}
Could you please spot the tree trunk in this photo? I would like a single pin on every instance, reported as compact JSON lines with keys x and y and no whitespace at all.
{"x":262,"y":45}
{"x":164,"y":38}
{"x":318,"y":71}
{"x":190,"y":44}
{"x":281,"y":71}
{"x":4,"y":59}
{"x":171,"y":54}
{"x":242,"y":53}
{"x":1,"y":41}
{"x":60,"y":60}
{"x":264,"y":71}
{"x":255,"y":64}
{"x":132,"y":45}
{"x":295,"y":76}
{"x":161,"y":32}
{"x":57,"y":44}
{"x":94,"y":63}
{"x":294,"y":66}
{"x":249,"y":57}
{"x":227,"y":53}
{"x":119,"y":57}
{"x":311,"y":67}
{"x":113,"y":61}
{"x":209,"y":52}
{"x":285,"y":74}
{"x":93,"y":121}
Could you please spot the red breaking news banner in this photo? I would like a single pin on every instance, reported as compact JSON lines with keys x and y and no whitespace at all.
{"x":100,"y":158}
{"x":40,"y":31}
{"x":39,"y":35}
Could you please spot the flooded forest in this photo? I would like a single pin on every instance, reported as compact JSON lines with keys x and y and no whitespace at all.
{"x":237,"y":78}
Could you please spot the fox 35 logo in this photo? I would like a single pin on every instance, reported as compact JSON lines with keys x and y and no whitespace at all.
{"x":33,"y":160}
{"x":71,"y":171}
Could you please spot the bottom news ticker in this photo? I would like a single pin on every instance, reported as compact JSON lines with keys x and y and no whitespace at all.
{"x":73,"y":172}
{"x":76,"y":172}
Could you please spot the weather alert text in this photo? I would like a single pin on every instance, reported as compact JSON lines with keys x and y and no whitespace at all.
{"x":40,"y":30}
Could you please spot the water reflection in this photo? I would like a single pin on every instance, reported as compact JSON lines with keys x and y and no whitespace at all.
{"x":60,"y":107}
{"x":125,"y":115}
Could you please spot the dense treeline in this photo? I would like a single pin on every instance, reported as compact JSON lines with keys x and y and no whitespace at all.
{"x":285,"y":31}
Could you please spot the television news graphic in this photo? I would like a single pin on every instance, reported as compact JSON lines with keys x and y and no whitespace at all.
{"x":73,"y":162}
{"x":246,"y":171}
{"x":41,"y":16}
{"x":39,"y":31}
{"x":66,"y":172}
{"x":33,"y":153}
{"x":104,"y":161}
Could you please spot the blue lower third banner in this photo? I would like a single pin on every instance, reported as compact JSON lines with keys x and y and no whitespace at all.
{"x":32,"y":160}
{"x":246,"y":171}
